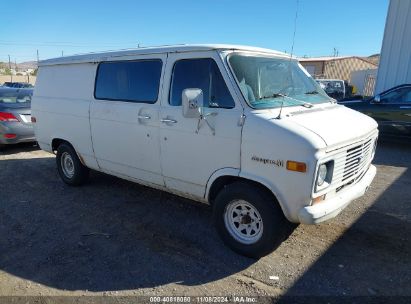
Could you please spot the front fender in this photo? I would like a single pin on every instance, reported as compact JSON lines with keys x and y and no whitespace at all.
{"x":272,"y":187}
{"x":218,"y":173}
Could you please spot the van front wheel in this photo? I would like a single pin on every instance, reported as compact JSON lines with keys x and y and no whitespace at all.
{"x":248,"y":220}
{"x":70,"y":169}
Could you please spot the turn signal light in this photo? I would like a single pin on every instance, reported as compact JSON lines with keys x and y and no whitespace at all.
{"x":296,"y":166}
{"x":318,"y":199}
{"x":33,"y":119}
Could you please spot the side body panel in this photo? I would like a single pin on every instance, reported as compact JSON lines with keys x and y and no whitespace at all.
{"x":267,"y":145}
{"x":61,"y":103}
{"x":126,"y":135}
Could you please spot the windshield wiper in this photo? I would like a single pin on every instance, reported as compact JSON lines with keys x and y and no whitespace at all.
{"x":297,"y":101}
{"x":311,"y":92}
{"x":275,"y":95}
{"x":300,"y":102}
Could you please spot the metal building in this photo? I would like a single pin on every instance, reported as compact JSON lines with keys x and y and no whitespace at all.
{"x":335,"y":67}
{"x":395,"y":62}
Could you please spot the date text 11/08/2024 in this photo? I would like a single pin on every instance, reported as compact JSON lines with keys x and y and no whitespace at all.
{"x":203,"y":299}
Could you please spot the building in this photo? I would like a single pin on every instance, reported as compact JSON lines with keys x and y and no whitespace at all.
{"x":364,"y":81}
{"x":395,"y":60}
{"x":335,"y":67}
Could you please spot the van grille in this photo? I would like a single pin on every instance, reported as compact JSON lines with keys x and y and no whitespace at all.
{"x":357,"y":158}
{"x":351,"y":164}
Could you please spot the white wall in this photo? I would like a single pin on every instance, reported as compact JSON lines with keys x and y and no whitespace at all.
{"x":359,"y":79}
{"x":395,"y":61}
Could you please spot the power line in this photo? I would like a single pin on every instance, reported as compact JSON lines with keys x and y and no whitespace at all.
{"x":24,"y":56}
{"x":66,"y":44}
{"x":60,"y":42}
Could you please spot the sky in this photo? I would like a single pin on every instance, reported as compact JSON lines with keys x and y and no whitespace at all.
{"x":352,"y":27}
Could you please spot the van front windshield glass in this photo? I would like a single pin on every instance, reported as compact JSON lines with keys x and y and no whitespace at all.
{"x":268,"y":82}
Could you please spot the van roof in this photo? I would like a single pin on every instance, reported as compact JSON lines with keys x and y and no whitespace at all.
{"x":105,"y":56}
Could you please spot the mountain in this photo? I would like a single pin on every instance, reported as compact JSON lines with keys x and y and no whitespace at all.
{"x":22,"y":66}
{"x":26,"y":65}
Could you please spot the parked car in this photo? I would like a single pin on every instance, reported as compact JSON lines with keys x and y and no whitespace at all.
{"x":15,"y":116}
{"x":20,"y":85}
{"x":244,"y":129}
{"x":337,"y":88}
{"x":391,"y":109}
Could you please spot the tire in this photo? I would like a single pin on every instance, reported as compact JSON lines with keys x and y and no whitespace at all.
{"x":268,"y":229}
{"x":70,"y":169}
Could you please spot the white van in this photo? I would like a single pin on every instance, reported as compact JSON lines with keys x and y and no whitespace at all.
{"x":244,"y":129}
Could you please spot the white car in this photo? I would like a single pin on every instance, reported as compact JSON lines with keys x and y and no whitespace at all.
{"x":244,"y":129}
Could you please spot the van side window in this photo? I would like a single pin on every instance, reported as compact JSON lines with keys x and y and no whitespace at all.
{"x":135,"y":81}
{"x":201,"y":74}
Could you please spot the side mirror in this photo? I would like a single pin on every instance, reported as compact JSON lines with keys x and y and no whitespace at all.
{"x":377,"y":99}
{"x":192,"y":101}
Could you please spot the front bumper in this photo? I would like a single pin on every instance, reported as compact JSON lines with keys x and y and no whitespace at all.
{"x":330,"y":208}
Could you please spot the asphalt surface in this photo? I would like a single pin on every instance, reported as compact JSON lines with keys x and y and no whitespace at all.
{"x":115,"y":238}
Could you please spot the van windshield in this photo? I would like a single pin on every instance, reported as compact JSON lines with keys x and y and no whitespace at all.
{"x":268,"y":82}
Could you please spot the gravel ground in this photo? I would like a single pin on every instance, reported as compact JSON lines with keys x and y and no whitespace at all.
{"x":114,"y":237}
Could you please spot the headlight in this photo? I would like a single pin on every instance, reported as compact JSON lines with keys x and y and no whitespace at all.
{"x":322,"y":174}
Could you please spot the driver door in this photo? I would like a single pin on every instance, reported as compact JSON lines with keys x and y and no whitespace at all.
{"x":192,"y":149}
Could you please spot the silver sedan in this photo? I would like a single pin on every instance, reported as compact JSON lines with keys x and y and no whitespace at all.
{"x":15,"y":116}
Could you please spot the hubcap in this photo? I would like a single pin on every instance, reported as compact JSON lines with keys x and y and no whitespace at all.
{"x":243,"y":222}
{"x":67,"y":165}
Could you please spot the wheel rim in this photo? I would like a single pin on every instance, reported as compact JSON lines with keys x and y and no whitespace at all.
{"x":67,"y":164}
{"x":243,"y":222}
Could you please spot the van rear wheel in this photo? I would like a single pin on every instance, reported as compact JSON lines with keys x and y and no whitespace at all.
{"x":248,"y":220}
{"x":70,"y":169}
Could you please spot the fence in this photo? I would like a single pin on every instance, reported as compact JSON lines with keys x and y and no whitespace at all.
{"x":369,"y":85}
{"x":19,"y":78}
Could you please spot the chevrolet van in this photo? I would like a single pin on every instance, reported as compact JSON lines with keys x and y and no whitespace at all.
{"x":244,"y":129}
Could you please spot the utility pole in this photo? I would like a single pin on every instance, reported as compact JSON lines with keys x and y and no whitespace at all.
{"x":37,"y":57}
{"x":11,"y":74}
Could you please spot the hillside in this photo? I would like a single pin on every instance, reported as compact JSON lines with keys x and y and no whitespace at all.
{"x":20,"y":66}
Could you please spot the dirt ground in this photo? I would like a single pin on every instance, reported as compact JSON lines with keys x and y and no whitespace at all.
{"x":116,"y":238}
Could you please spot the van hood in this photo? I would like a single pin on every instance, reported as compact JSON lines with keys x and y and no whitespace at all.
{"x":335,"y":124}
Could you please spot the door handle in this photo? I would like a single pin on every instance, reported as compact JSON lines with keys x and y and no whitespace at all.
{"x":168,"y":120}
{"x":405,"y":107}
{"x":144,"y":117}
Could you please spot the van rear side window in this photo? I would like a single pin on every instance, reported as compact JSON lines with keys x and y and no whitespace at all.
{"x":133,"y":81}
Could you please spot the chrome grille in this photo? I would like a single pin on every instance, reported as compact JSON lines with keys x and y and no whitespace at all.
{"x":356,"y":160}
{"x":352,"y":162}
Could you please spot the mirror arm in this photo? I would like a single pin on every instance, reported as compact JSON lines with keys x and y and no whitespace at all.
{"x":204,"y":117}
